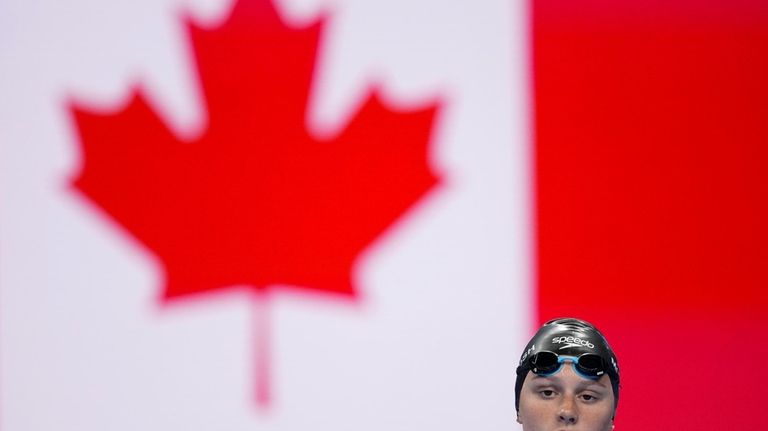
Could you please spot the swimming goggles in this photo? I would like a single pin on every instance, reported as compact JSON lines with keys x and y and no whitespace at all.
{"x":587,"y":365}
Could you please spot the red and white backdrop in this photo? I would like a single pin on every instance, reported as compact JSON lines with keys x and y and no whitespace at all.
{"x":350,"y":214}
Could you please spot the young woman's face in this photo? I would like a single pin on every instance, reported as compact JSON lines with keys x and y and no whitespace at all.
{"x":566,"y":401}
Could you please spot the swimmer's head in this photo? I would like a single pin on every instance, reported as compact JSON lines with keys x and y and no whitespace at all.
{"x":568,"y":341}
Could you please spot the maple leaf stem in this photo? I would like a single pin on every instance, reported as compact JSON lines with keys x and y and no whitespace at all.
{"x":261,"y":328}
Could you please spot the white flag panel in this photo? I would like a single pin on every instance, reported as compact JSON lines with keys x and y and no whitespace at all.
{"x":444,"y":299}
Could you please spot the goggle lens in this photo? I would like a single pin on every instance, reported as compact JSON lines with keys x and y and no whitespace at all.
{"x":545,"y":363}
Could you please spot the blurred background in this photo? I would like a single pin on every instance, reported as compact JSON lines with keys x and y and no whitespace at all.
{"x":469,"y":172}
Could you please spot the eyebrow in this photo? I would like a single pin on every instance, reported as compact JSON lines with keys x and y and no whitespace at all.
{"x":538,"y":377}
{"x":590,"y":384}
{"x":545,"y":380}
{"x":555,"y":380}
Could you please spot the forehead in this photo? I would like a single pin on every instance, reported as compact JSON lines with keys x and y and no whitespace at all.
{"x":569,"y":378}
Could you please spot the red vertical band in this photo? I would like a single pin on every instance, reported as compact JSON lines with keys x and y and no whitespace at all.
{"x":652,"y":197}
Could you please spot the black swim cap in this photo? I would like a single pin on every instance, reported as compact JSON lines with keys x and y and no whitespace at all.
{"x":570,"y":337}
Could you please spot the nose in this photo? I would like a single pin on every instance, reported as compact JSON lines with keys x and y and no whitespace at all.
{"x":568,"y":413}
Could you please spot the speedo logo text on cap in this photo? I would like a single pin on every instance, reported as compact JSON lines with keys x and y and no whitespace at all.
{"x":572,"y":342}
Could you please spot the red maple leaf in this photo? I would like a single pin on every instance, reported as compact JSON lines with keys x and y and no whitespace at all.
{"x":255,"y":200}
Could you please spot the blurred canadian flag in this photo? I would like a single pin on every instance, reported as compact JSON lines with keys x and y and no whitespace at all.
{"x":251,"y":214}
{"x":351,"y":214}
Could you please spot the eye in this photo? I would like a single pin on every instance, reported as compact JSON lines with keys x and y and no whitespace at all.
{"x":547,"y":393}
{"x":589,"y":398}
